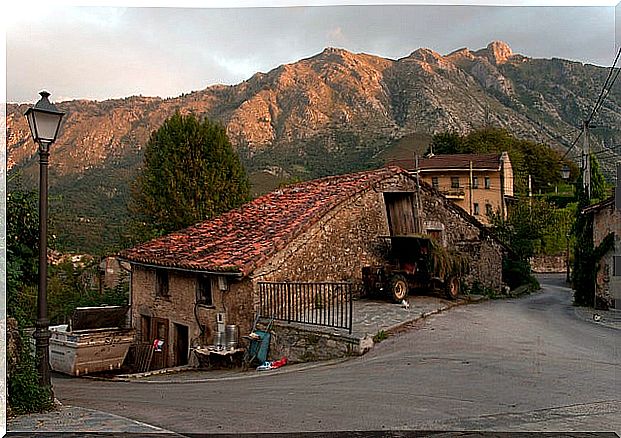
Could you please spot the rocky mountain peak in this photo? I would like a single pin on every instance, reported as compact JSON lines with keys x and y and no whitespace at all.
{"x":333,"y":54}
{"x":463,"y":53}
{"x":497,"y":52}
{"x":426,"y":55}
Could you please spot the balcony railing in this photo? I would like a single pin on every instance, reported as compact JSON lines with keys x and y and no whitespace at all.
{"x":454,"y":193}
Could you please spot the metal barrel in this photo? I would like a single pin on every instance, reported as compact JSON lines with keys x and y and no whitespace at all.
{"x":231,"y":336}
{"x":220,"y":339}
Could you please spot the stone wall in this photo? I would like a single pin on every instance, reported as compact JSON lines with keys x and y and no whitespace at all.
{"x":549,"y":264}
{"x":605,"y":221}
{"x":459,"y":231}
{"x":179,"y":307}
{"x":300,"y":344}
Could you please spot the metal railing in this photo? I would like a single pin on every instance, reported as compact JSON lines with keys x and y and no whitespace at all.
{"x":323,"y":304}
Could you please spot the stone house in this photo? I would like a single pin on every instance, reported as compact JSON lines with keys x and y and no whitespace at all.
{"x":481,"y":184}
{"x":111,"y":273}
{"x":606,"y":220}
{"x":320,"y":230}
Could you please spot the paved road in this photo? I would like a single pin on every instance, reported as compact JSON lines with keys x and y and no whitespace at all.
{"x":523,"y":364}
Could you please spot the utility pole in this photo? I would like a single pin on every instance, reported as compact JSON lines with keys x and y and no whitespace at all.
{"x":417,"y":219}
{"x":586,"y":160}
{"x":618,"y":188}
{"x":470,"y":191}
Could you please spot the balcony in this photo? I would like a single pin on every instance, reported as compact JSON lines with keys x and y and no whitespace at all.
{"x":458,"y":194}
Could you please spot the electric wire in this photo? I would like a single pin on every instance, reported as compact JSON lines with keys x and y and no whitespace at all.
{"x":604,"y":93}
{"x":600,"y":100}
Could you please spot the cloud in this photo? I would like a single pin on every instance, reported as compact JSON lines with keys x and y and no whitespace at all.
{"x":105,"y":52}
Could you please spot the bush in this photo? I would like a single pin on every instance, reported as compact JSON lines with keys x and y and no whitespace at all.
{"x":478,"y":288}
{"x":24,"y":393}
{"x":516,"y":273}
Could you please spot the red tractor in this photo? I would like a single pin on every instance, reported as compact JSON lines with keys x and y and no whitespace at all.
{"x":415,"y":262}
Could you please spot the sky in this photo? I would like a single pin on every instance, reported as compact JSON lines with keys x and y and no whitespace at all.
{"x":102,"y":50}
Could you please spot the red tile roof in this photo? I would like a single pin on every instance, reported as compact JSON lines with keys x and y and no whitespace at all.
{"x":455,"y":162}
{"x":242,"y":239}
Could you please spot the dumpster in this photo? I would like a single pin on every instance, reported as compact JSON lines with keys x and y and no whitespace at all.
{"x":96,"y":339}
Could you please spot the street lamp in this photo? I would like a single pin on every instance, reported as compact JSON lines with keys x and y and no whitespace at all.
{"x":565,"y":171}
{"x":44,"y":121}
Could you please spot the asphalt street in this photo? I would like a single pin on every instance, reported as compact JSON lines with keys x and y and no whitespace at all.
{"x":526,"y":364}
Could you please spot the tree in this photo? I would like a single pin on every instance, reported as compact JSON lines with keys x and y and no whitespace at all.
{"x":527,"y":157}
{"x":22,"y":235}
{"x":190,"y":173}
{"x":586,"y":255}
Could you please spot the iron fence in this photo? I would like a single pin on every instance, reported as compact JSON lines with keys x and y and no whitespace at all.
{"x":323,"y":304}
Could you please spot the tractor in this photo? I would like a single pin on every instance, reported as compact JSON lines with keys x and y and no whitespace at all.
{"x":415,"y":262}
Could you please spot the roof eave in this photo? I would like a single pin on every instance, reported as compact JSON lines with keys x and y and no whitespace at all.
{"x":227,"y":273}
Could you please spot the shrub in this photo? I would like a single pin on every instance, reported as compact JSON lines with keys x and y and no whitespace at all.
{"x":24,"y":393}
{"x":516,"y":273}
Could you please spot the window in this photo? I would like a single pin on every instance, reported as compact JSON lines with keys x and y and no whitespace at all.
{"x":454,"y":182}
{"x":616,"y":266}
{"x":488,"y":183}
{"x":476,"y":209}
{"x":475,"y":182}
{"x":488,"y":209}
{"x":434,"y":182}
{"x":161,"y":284}
{"x":435,"y":234}
{"x":203,"y":290}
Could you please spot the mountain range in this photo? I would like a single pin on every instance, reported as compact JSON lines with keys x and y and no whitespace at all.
{"x":331,"y":113}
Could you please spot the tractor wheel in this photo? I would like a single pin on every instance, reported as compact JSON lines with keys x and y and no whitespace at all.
{"x":451,"y":287}
{"x":398,"y":288}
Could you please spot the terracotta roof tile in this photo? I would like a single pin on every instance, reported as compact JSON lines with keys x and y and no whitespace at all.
{"x":244,"y":238}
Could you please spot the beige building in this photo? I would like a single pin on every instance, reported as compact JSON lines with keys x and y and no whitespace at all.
{"x":478,"y":183}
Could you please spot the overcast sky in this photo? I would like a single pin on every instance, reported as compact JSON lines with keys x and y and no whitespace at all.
{"x":107,"y":52}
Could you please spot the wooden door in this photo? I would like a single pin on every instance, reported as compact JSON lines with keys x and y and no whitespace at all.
{"x":159,"y":330}
{"x":400,"y":211}
{"x":182,"y":344}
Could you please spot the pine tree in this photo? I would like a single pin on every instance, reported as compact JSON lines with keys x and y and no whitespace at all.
{"x":190,"y":173}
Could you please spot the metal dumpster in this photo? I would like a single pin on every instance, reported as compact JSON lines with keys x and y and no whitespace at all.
{"x":96,"y":339}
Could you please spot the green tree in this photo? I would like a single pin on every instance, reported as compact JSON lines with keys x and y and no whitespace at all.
{"x":586,"y":255}
{"x":599,"y":187}
{"x":22,"y":235}
{"x":528,"y":224}
{"x":190,"y":173}
{"x":22,"y":249}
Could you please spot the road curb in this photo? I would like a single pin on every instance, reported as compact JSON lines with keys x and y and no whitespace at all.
{"x":244,"y":375}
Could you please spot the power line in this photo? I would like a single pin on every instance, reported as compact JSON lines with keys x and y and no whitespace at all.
{"x":572,"y":145}
{"x":603,"y":94}
{"x":605,"y":151}
{"x":600,"y":100}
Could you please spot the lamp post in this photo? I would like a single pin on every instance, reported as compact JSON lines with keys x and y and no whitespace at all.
{"x":565,"y":171}
{"x":44,"y":121}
